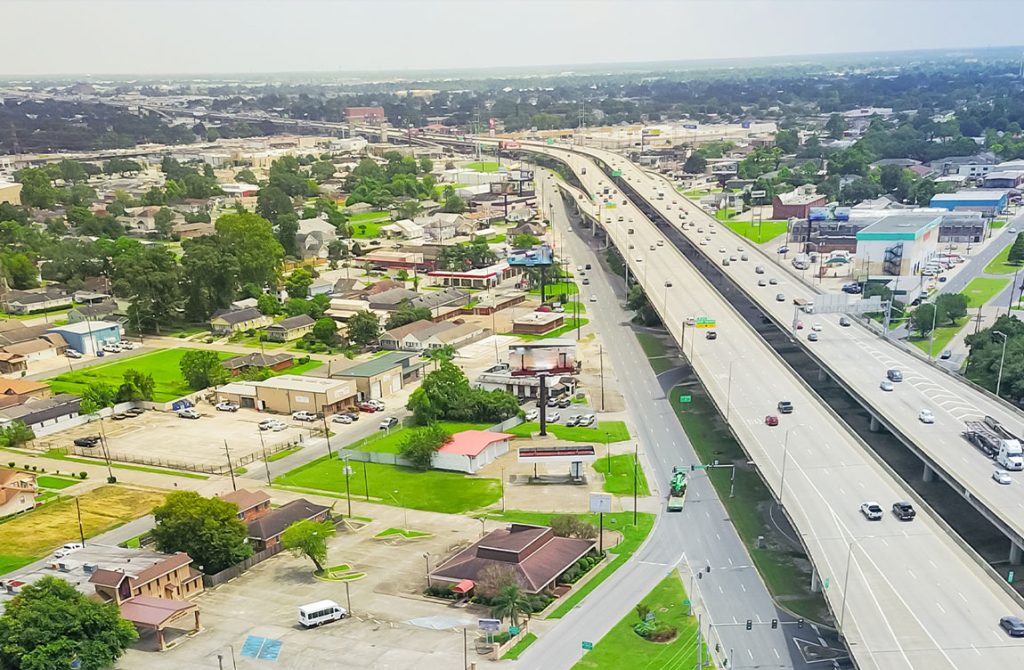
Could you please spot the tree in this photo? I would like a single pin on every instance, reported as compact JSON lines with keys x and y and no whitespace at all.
{"x":287,"y":229}
{"x":268,"y":304}
{"x":150,"y":276}
{"x":410,"y":209}
{"x":889,"y":177}
{"x":524,"y":241}
{"x":272,"y":202}
{"x":788,"y":141}
{"x":445,"y":394}
{"x":493,"y":578}
{"x":567,"y":525}
{"x":135,"y":386}
{"x":209,"y":277}
{"x":251,"y":239}
{"x":835,"y":126}
{"x":298,"y":282}
{"x":97,"y":396}
{"x":15,"y":434}
{"x":421,"y":444}
{"x":163,"y":220}
{"x":695,"y":164}
{"x":1016,"y":254}
{"x":363,"y":328}
{"x":406,"y":313}
{"x":37,"y":188}
{"x":426,"y":165}
{"x":325,"y":330}
{"x":453,"y":204}
{"x":952,"y":307}
{"x":20,"y":271}
{"x":207,"y":529}
{"x":924,"y":317}
{"x":309,"y":538}
{"x":202,"y":369}
{"x":510,"y":603}
{"x":322,"y":171}
{"x":246,"y":176}
{"x":50,"y":624}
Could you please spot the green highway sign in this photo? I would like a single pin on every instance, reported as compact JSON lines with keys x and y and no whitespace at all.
{"x":826,"y":583}
{"x":685,"y":398}
{"x":588,"y":645}
{"x":687,"y":602}
{"x":513,"y":630}
{"x":1009,"y":577}
{"x":616,"y":173}
{"x":551,"y":140}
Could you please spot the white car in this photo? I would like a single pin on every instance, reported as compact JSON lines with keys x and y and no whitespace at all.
{"x":872,"y":511}
{"x":661,"y":243}
{"x":111,"y":348}
{"x":72,"y":353}
{"x":188,"y":414}
{"x":886,"y":385}
{"x":721,"y":250}
{"x":303,"y":415}
{"x":226,"y":407}
{"x":816,"y":327}
{"x":587,"y":420}
{"x":553,"y":417}
{"x":593,"y":298}
{"x":271,"y":424}
{"x":926,"y":416}
{"x":69,"y":548}
{"x":1001,"y":477}
{"x":125,"y":344}
{"x":341,"y":418}
{"x":532,"y":415}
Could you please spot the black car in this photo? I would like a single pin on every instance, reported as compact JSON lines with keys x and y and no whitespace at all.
{"x":587,"y":266}
{"x":134,"y":411}
{"x":1014,"y":626}
{"x":903,"y":511}
{"x":785,"y":407}
{"x":87,"y":442}
{"x":712,"y":335}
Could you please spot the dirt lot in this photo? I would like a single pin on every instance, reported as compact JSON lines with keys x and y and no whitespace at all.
{"x":391,"y":627}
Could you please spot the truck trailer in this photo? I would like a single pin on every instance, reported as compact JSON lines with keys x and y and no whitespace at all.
{"x":992,"y":440}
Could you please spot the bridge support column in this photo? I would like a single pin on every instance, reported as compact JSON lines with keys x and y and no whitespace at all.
{"x":876,"y":425}
{"x":927,"y":474}
{"x":822,"y":375}
{"x":1016,"y":553}
{"x":815,"y":582}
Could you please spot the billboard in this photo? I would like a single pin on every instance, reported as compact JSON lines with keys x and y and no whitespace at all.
{"x":521,"y":175}
{"x":553,"y":357}
{"x":534,"y":257}
{"x":690,"y":126}
{"x":508,"y":144}
{"x":503,"y":187}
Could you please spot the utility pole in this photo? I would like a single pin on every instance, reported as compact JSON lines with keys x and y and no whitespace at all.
{"x":231,"y":470}
{"x":266,"y":464}
{"x":601,"y":354}
{"x":81,"y":529}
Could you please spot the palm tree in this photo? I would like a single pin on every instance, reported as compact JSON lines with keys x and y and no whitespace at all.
{"x":511,"y":603}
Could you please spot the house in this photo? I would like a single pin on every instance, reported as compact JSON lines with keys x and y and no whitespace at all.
{"x":22,"y":390}
{"x":796,"y":203}
{"x":526,"y":229}
{"x":313,"y":238}
{"x":389,"y":301}
{"x":244,"y":303}
{"x":252,"y":505}
{"x":227,"y":321}
{"x":142,"y":219}
{"x":36,"y":300}
{"x":153,"y":591}
{"x":290,"y":329}
{"x":382,"y":376}
{"x":403,"y":228}
{"x":17,"y":491}
{"x":416,"y":340}
{"x":105,"y":310}
{"x":395,"y":338}
{"x":456,"y":335}
{"x":534,"y":553}
{"x":320,"y":286}
{"x":288,"y":393}
{"x":436,"y":301}
{"x":89,"y":297}
{"x":43,"y":415}
{"x":258,"y":361}
{"x":470,"y":450}
{"x":22,"y":345}
{"x":441,"y":226}
{"x":265,"y":531}
{"x":89,"y":337}
{"x":521,"y":214}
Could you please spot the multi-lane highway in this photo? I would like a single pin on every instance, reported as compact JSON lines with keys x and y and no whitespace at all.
{"x":907,"y":594}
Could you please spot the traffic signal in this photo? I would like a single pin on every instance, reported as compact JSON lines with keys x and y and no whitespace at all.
{"x":775,"y":624}
{"x":750,"y":624}
{"x":692,"y":467}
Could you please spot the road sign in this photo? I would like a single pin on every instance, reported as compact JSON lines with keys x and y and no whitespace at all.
{"x":826,"y":583}
{"x":616,"y":173}
{"x":492,"y":625}
{"x":1009,"y":577}
{"x":758,"y":194}
{"x":551,"y":140}
{"x":600,"y":502}
{"x":513,"y":630}
{"x":704,"y":322}
{"x":588,"y":645}
{"x":685,"y":398}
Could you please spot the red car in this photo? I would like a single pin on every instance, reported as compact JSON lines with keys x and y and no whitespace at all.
{"x":799,"y":325}
{"x":366,"y":407}
{"x":771,"y":420}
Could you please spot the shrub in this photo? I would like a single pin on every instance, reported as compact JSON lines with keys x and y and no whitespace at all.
{"x":440,"y":591}
{"x":83,"y":474}
{"x":644,"y":628}
{"x":111,"y":479}
{"x":10,"y":464}
{"x":662,"y":633}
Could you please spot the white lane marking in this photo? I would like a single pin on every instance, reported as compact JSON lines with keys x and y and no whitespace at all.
{"x":776,"y":653}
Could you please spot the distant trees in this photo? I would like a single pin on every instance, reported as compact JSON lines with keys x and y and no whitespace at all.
{"x":363,"y":328}
{"x":1016,"y":253}
{"x":695,"y":164}
{"x":251,"y":240}
{"x":406,"y":313}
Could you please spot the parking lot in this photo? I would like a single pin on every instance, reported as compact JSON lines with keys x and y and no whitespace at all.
{"x":162,"y":438}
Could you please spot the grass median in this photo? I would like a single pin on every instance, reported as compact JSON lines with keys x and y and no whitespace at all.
{"x":1001,"y":265}
{"x":982,"y":289}
{"x":603,"y":431}
{"x":765,"y":232}
{"x":618,"y":479}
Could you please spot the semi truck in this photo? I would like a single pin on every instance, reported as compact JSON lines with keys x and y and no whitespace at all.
{"x":1006,"y":451}
{"x":676,"y":489}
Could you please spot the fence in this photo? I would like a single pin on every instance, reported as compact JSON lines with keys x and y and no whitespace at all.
{"x":382,"y":457}
{"x":235,"y":570}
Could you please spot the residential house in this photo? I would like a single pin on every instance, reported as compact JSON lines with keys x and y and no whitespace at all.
{"x":141,"y":219}
{"x":252,"y":505}
{"x":17,"y":491}
{"x":456,"y":336}
{"x":43,"y":415}
{"x":22,"y":345}
{"x":17,"y":391}
{"x":258,"y":361}
{"x":391,"y":300}
{"x":227,"y":321}
{"x":521,"y":215}
{"x":265,"y":531}
{"x":415,"y":339}
{"x":36,"y":300}
{"x":395,"y":338}
{"x":345,"y":286}
{"x":470,"y":450}
{"x":526,"y":229}
{"x":441,"y":227}
{"x":313,"y":238}
{"x":443,"y":301}
{"x":403,"y":228}
{"x":384,"y":375}
{"x":244,"y":303}
{"x":290,"y":329}
{"x":105,"y":310}
{"x":320,"y":286}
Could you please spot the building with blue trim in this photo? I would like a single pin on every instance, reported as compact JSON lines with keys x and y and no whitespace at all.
{"x":976,"y":200}
{"x":88,"y":337}
{"x":898,"y":245}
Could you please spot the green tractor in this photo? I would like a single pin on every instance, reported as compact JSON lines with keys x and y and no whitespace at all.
{"x":676,"y":489}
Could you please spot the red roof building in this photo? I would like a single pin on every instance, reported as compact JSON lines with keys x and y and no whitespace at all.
{"x":374,"y":115}
{"x":471,"y":450}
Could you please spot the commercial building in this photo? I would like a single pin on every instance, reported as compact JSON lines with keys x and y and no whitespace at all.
{"x":901,"y":244}
{"x":796,"y":203}
{"x":291,"y":393}
{"x":88,"y":337}
{"x":470,"y":450}
{"x":251,"y":504}
{"x":479,"y":278}
{"x":265,"y":530}
{"x":537,"y":323}
{"x":10,"y":192}
{"x":1003,"y":179}
{"x":987,"y":202}
{"x":382,"y":376}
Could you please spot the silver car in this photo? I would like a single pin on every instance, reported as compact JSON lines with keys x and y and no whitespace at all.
{"x":1001,"y":477}
{"x":886,"y":385}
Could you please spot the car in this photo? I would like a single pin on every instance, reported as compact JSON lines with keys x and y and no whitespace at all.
{"x":926,"y":416}
{"x":782,"y":250}
{"x":700,"y":231}
{"x":573,"y":420}
{"x":711,"y":335}
{"x":744,"y":257}
{"x":703,"y":243}
{"x":1012,"y":231}
{"x":721,"y":250}
{"x":812,"y":337}
{"x":67,"y":548}
{"x":593,"y":298}
{"x":759,"y":269}
{"x":844,"y":321}
{"x":586,"y":281}
{"x":366,"y":407}
{"x":341,"y":418}
{"x":188,"y":413}
{"x":388,"y":423}
{"x":1014,"y":626}
{"x":553,"y":417}
{"x":946,"y":355}
{"x":587,"y":266}
{"x":1001,"y":477}
{"x":661,"y":243}
{"x":579,"y":268}
{"x":785,"y":407}
{"x":72,"y":353}
{"x":894,"y":375}
{"x":303,"y":415}
{"x":725,"y":262}
{"x":780,"y":297}
{"x":564,"y":403}
{"x":886,"y":385}
{"x":532,"y":415}
{"x":111,"y":349}
{"x":587,"y":420}
{"x":903,"y":511}
{"x":653,"y":247}
{"x":771,"y":420}
{"x":740,"y":249}
{"x":226,"y":407}
{"x":125,"y":344}
{"x":89,"y":441}
{"x":872,"y":511}
{"x":267,"y":424}
{"x":668,"y":284}
{"x":733,"y":259}
{"x":799,"y":325}
{"x":773,"y":281}
{"x":762,"y":282}
{"x":816,"y":327}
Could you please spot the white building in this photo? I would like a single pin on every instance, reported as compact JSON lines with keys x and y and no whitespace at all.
{"x":471,"y":450}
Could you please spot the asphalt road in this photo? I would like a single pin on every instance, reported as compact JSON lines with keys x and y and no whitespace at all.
{"x":700,"y":536}
{"x":916,"y":599}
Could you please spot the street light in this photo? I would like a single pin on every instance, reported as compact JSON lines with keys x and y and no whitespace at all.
{"x":1002,"y":357}
{"x":785,"y":455}
{"x":846,"y":581}
{"x":404,"y":510}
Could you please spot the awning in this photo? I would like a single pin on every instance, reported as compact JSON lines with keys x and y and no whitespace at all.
{"x":465,"y":586}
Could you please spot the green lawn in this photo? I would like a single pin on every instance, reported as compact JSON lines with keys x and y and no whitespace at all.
{"x":575,"y":307}
{"x":432,"y":491}
{"x":982,"y":289}
{"x":701,"y":192}
{"x":302,"y":368}
{"x":943,"y":336}
{"x":1000,"y":266}
{"x":49,"y":315}
{"x":391,"y":442}
{"x":725,"y":213}
{"x":616,"y":432}
{"x":482,"y":166}
{"x":48,"y":482}
{"x":556,"y":289}
{"x":997,"y":224}
{"x":11,"y":563}
{"x":519,"y":647}
{"x":632,"y":538}
{"x":570,"y":325}
{"x":408,"y":534}
{"x":163,"y":365}
{"x":621,"y":647}
{"x":284,"y":453}
{"x":768,"y":230}
{"x":367,"y":230}
{"x":620,"y":481}
{"x":368,"y":216}
{"x":497,"y":239}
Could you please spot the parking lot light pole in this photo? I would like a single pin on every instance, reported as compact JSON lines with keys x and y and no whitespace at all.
{"x":231,"y":470}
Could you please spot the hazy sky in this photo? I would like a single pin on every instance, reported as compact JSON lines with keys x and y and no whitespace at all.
{"x":186,"y":36}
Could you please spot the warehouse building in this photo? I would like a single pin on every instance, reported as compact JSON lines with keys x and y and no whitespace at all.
{"x":291,"y":393}
{"x":988,"y":202}
{"x":901,"y":244}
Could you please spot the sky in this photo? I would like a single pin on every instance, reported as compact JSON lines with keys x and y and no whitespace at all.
{"x":252,"y":36}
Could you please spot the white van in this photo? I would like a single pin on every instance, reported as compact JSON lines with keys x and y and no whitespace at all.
{"x":320,"y":612}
